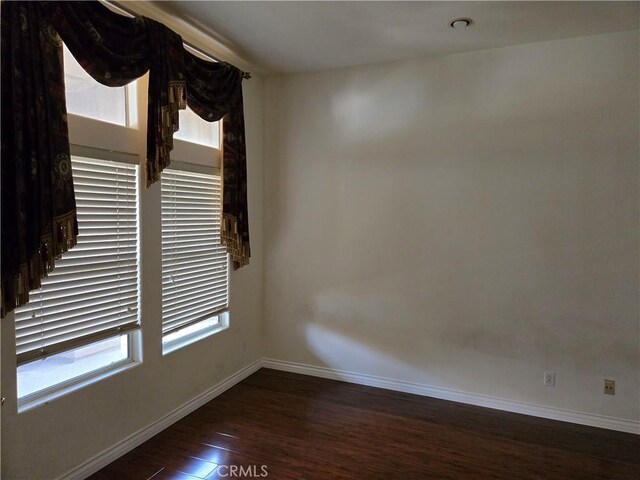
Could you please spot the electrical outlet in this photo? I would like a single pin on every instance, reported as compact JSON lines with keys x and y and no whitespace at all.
{"x":549,"y":379}
{"x":609,"y":387}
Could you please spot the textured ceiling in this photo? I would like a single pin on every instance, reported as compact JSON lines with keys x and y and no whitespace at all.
{"x":285,"y":37}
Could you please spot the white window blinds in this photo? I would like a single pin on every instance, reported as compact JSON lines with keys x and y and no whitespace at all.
{"x":194,"y":263}
{"x":93,"y":292}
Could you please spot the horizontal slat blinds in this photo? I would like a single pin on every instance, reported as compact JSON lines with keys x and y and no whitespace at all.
{"x":194,"y":263}
{"x":93,"y":292}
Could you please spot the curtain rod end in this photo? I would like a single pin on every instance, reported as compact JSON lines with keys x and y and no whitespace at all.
{"x":246,"y":75}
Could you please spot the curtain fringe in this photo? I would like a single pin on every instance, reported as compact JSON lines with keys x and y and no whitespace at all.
{"x":170,"y":123}
{"x":237,"y":248}
{"x":15,"y":292}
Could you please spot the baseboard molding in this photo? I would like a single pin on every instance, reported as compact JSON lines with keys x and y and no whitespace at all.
{"x":552,"y":413}
{"x":107,"y":456}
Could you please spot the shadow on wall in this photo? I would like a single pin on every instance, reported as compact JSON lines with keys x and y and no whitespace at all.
{"x":372,"y":328}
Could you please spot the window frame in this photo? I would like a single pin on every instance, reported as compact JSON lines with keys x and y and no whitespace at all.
{"x":54,"y":391}
{"x":96,"y":139}
{"x":134,"y":346}
{"x":208,"y":160}
{"x":93,"y":138}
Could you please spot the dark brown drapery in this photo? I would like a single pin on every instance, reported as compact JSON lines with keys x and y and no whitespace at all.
{"x":38,"y":205}
{"x":214,"y":91}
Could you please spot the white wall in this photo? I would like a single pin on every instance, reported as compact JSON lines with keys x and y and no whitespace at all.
{"x":466,"y":221}
{"x":47,"y":441}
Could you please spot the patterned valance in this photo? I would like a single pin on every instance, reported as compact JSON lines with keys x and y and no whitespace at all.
{"x":38,"y":205}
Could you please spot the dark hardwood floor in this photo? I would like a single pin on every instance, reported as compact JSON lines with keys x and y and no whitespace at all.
{"x":302,"y":427}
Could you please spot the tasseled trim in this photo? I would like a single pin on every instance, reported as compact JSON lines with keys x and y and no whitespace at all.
{"x":236,"y":247}
{"x":170,"y":123}
{"x":15,"y":292}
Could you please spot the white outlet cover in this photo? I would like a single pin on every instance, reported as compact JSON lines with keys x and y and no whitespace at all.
{"x":549,"y":379}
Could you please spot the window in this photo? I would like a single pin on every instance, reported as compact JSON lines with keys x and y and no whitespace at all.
{"x":194,"y":264}
{"x":78,"y":322}
{"x":85,"y":321}
{"x":194,"y":129}
{"x":88,"y":98}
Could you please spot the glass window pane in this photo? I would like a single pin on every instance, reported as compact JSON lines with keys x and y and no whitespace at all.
{"x":88,"y":98}
{"x":53,"y":370}
{"x":195,"y":130}
{"x":192,"y":330}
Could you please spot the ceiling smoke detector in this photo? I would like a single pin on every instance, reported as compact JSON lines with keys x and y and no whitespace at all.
{"x":460,"y":23}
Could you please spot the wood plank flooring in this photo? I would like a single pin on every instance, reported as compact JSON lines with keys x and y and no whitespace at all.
{"x":301,"y":427}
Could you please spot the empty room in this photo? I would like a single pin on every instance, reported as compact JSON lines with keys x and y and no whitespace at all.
{"x":320,"y":240}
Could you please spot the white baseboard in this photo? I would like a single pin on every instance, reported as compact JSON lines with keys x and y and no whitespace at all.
{"x":107,"y":456}
{"x":593,"y":420}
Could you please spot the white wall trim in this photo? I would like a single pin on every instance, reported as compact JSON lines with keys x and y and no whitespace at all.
{"x":114,"y":452}
{"x":593,"y":420}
